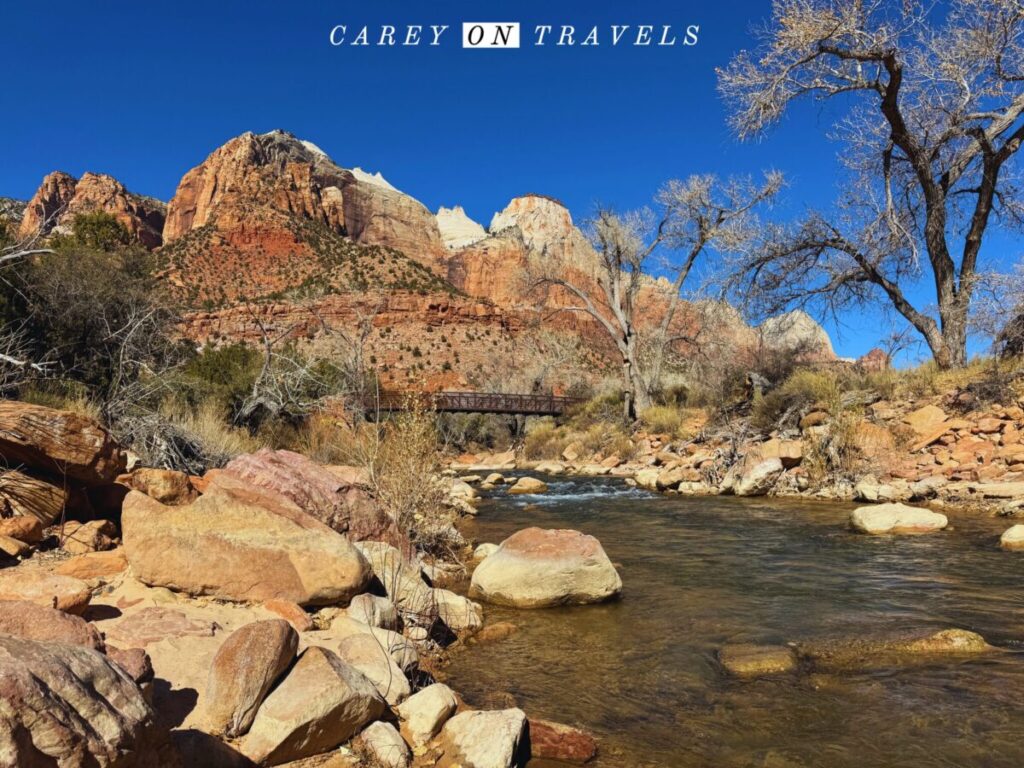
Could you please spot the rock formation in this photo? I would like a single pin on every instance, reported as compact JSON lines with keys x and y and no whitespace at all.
{"x":457,"y":229}
{"x":61,"y":197}
{"x":12,"y":210}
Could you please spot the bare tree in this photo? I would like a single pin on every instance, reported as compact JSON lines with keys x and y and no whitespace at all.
{"x":928,"y":146}
{"x":692,"y":216}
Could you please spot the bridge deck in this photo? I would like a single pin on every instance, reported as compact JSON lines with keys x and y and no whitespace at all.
{"x":473,"y":402}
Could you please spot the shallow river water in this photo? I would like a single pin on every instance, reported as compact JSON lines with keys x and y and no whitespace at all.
{"x":641,"y":673}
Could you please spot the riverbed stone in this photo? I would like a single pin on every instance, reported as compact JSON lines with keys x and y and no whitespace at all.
{"x":367,"y":654}
{"x":758,"y":479}
{"x":528,"y":485}
{"x":422,"y":714}
{"x":750,"y":660}
{"x":245,"y":667}
{"x":24,"y":528}
{"x":855,"y":654}
{"x":374,"y":610}
{"x":484,"y":550}
{"x":896,"y":518}
{"x":477,"y":739}
{"x":456,"y":612}
{"x":556,"y":741}
{"x":537,"y":568}
{"x":383,"y":746}
{"x":320,"y":704}
{"x":1013,"y":538}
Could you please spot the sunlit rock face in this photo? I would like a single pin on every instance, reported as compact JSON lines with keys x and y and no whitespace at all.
{"x":457,"y":229}
{"x":61,"y":197}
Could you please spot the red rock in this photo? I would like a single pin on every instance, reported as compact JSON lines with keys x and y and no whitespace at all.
{"x":320,"y":492}
{"x":39,"y":622}
{"x":292,"y":612}
{"x":61,"y":197}
{"x":134,"y":661}
{"x":554,"y":741}
{"x":59,"y":442}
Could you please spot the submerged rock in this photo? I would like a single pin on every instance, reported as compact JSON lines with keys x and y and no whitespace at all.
{"x":536,"y":568}
{"x":749,"y":660}
{"x":555,"y":741}
{"x":896,"y":518}
{"x":874,"y":653}
{"x":529,"y":485}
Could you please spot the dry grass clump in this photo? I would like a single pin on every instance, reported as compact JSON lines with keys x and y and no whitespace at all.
{"x":805,"y":387}
{"x":545,"y":441}
{"x":662,"y":419}
{"x":207,"y":424}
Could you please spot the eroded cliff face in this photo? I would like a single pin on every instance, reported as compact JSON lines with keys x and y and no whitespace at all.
{"x":256,"y":177}
{"x":61,"y":197}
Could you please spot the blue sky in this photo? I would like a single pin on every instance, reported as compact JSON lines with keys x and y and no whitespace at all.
{"x":145,"y":91}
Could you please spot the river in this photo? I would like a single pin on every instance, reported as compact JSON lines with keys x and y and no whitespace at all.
{"x":642,"y":675}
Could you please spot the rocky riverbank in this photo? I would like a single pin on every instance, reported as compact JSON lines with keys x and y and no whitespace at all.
{"x":266,"y":613}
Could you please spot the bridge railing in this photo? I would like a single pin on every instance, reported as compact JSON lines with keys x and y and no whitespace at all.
{"x":472,"y":402}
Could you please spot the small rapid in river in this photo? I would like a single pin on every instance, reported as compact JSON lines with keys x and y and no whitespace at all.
{"x":642,"y":673}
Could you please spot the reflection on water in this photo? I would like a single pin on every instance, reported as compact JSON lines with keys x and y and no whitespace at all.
{"x":701,"y":572}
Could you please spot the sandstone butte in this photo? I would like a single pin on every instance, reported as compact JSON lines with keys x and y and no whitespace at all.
{"x":267,"y":213}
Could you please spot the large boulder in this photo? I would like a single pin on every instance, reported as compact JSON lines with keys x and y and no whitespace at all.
{"x":323,"y":702}
{"x":68,"y":706}
{"x":51,"y":590}
{"x":896,"y":518}
{"x":758,"y":478}
{"x":536,"y":568}
{"x":237,"y":543}
{"x":478,"y":739}
{"x":61,"y":443}
{"x":528,"y":485}
{"x":24,"y":496}
{"x":31,"y":621}
{"x":422,"y":714}
{"x":244,"y":669}
{"x":345,"y":506}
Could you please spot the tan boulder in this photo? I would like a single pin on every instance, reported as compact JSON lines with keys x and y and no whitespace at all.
{"x":528,"y":485}
{"x":382,"y":746}
{"x":25,"y":496}
{"x":26,"y":528}
{"x":321,"y":703}
{"x":422,"y":715}
{"x":80,"y":538}
{"x":873,"y":441}
{"x":758,"y":478}
{"x":243,"y":671}
{"x":32,"y":621}
{"x":535,"y":568}
{"x":456,"y":612}
{"x":367,"y":654}
{"x":61,"y":443}
{"x":237,"y":543}
{"x":1013,"y":538}
{"x":647,"y":478}
{"x":374,"y":610}
{"x":925,"y":420}
{"x":12,"y":547}
{"x":165,"y":485}
{"x":789,"y":452}
{"x":476,"y":739}
{"x":37,"y":586}
{"x":69,"y":705}
{"x":94,"y":565}
{"x":896,"y":518}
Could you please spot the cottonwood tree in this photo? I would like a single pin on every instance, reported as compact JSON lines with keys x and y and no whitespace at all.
{"x":933,"y":97}
{"x":690,"y":217}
